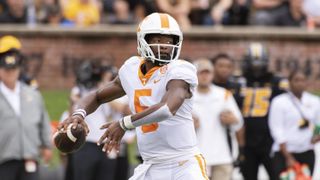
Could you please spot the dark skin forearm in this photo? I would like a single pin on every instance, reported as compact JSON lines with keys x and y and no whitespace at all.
{"x":290,"y":160}
{"x":240,"y":135}
{"x":92,"y":101}
{"x":111,"y":91}
{"x":283,"y":150}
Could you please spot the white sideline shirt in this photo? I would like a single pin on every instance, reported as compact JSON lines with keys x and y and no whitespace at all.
{"x":212,"y":137}
{"x":284,"y":120}
{"x":12,"y":96}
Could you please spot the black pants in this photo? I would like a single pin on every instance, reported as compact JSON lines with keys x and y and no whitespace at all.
{"x":255,"y":157}
{"x":122,"y":170}
{"x":307,"y":157}
{"x":15,"y":170}
{"x":90,"y":163}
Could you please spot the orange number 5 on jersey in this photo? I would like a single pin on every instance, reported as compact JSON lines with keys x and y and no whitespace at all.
{"x":138,"y":107}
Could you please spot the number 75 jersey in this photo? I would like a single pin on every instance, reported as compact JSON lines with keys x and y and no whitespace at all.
{"x":172,"y":138}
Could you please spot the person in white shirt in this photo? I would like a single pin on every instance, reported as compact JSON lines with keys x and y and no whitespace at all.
{"x":216,"y":109}
{"x":292,"y":116}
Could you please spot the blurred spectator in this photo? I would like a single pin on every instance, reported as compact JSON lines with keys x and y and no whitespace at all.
{"x":210,"y":12}
{"x":108,"y":72}
{"x":15,"y":12}
{"x":294,"y":16}
{"x":223,"y":77}
{"x":3,"y":5}
{"x":179,"y":9}
{"x":216,"y":109}
{"x":54,"y":17}
{"x":291,"y":117}
{"x":121,"y":13}
{"x":42,"y":6}
{"x":82,"y":12}
{"x":87,"y":78}
{"x":260,"y":87}
{"x":267,"y":12}
{"x":239,"y":12}
{"x":25,"y":128}
{"x":12,"y":44}
{"x":125,"y":11}
{"x":311,"y":9}
{"x":149,"y":6}
{"x":50,"y":12}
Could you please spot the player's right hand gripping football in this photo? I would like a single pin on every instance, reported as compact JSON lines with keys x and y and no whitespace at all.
{"x":75,"y":120}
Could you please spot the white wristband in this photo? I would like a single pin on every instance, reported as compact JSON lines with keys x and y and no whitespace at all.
{"x":122,"y":125}
{"x":80,"y":112}
{"x":127,"y":123}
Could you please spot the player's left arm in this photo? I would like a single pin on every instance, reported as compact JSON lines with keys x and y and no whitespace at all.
{"x":177,"y":92}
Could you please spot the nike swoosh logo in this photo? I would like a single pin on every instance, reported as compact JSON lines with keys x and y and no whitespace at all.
{"x":156,"y":81}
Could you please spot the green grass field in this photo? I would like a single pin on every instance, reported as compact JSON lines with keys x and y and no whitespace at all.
{"x":56,"y":102}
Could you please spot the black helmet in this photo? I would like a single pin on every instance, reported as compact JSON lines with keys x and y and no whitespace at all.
{"x":87,"y":74}
{"x":256,"y":61}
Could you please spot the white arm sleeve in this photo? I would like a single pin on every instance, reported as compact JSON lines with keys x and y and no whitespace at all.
{"x":161,"y":114}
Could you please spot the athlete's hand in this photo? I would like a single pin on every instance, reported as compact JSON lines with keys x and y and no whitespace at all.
{"x":75,"y":120}
{"x":112,"y":136}
{"x":315,"y":139}
{"x":290,"y":161}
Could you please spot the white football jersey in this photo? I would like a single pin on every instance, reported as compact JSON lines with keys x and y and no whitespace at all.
{"x":173,"y":138}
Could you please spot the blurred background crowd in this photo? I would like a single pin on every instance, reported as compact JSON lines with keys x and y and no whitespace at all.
{"x":243,"y":130}
{"x":70,"y":13}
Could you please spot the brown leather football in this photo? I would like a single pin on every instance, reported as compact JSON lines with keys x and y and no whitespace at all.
{"x":70,"y":140}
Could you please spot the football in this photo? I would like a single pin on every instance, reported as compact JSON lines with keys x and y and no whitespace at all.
{"x":70,"y":140}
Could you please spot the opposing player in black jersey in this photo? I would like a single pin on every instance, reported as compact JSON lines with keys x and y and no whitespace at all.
{"x":259,"y":88}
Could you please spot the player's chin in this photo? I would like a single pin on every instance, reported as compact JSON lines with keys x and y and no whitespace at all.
{"x":165,"y":57}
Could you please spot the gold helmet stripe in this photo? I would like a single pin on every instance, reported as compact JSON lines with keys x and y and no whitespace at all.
{"x":164,"y":20}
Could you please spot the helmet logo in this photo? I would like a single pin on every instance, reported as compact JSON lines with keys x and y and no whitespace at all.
{"x":10,"y":60}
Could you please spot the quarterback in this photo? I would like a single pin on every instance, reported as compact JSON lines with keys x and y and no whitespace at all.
{"x":159,"y":87}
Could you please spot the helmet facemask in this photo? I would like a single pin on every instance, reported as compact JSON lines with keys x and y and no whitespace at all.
{"x":152,"y":52}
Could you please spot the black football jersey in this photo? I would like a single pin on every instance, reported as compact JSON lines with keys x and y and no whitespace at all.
{"x":256,"y":99}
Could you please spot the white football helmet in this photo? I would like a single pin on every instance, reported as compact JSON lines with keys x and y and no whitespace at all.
{"x":158,"y":23}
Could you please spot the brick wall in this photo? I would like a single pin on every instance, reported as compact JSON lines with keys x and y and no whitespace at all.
{"x":54,"y":53}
